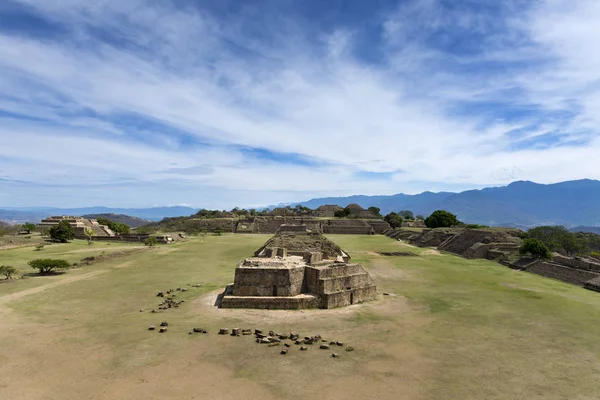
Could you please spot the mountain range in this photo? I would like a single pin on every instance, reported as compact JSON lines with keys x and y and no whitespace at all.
{"x":521,"y":204}
{"x":36,"y":214}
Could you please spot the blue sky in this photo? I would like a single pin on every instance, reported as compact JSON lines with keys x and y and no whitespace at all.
{"x":248,"y":103}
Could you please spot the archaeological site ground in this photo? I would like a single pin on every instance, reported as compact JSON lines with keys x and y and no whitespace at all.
{"x":439,"y":326}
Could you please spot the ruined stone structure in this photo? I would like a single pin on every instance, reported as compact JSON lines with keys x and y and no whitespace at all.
{"x":79,"y":225}
{"x":298,"y":269}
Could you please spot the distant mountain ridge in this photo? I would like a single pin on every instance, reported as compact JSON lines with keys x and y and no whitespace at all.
{"x":133,"y":222}
{"x":36,"y":214}
{"x":520,"y":204}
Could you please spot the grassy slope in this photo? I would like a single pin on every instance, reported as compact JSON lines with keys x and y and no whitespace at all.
{"x":477,"y":329}
{"x":495,"y":329}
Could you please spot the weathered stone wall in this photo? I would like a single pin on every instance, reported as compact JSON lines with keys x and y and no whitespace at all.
{"x":566,"y":274}
{"x":245,"y":226}
{"x":271,"y":303}
{"x":346,"y":298}
{"x":379,"y":226}
{"x":347,"y":230}
{"x":578,"y":262}
{"x":341,"y":283}
{"x":256,"y":281}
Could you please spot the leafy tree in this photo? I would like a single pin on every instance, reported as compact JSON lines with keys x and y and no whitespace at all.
{"x":420,"y":217}
{"x":8,"y":271}
{"x":117,"y":227}
{"x":342,"y":213}
{"x":63,"y":232}
{"x":47,"y":265}
{"x":394,"y":219}
{"x":28,"y":226}
{"x":89,"y":235}
{"x":151,"y":241}
{"x":406,"y":214}
{"x":536,"y":248}
{"x":375,"y":211}
{"x":441,"y":219}
{"x":558,"y":237}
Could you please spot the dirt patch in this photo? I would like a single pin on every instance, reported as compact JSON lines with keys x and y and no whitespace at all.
{"x":397,"y":254}
{"x":382,"y":269}
{"x":431,"y":252}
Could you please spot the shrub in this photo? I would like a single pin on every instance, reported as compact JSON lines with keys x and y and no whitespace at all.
{"x":535,"y":248}
{"x":39,"y":247}
{"x":151,"y":241}
{"x":441,"y":219}
{"x":63,"y":232}
{"x":595,"y":254}
{"x":394,"y":219}
{"x":218,"y":232}
{"x":47,"y":265}
{"x":8,"y":271}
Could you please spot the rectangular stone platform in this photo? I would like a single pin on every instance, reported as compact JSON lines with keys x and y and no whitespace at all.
{"x":299,"y":302}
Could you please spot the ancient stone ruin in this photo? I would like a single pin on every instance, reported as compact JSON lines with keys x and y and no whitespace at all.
{"x":79,"y":225}
{"x":298,"y":269}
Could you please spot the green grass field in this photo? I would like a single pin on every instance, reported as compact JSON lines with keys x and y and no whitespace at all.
{"x":450,"y":329}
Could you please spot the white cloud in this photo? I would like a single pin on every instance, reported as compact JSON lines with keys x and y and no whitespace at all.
{"x":207,"y":79}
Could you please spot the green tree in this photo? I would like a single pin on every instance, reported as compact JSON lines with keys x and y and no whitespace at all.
{"x":375,"y":211}
{"x":63,"y":232}
{"x":8,"y":271}
{"x":29,"y":227}
{"x":420,"y":217}
{"x":151,"y":241}
{"x":441,"y":219}
{"x":89,"y":235}
{"x":47,"y":265}
{"x":406,"y":214}
{"x":536,"y":248}
{"x":117,"y":227}
{"x":558,"y":238}
{"x":394,"y":219}
{"x":343,"y":213}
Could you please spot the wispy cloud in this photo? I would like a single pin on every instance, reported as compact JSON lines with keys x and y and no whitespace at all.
{"x":204,"y":105}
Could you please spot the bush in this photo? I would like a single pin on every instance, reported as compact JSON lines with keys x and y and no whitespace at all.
{"x":39,"y":247}
{"x":441,"y":219}
{"x":558,"y":238}
{"x":218,"y":232}
{"x":151,"y":241}
{"x":476,"y":226}
{"x":342,"y":213}
{"x":595,"y":254}
{"x":8,"y":271}
{"x":46,"y":265}
{"x":394,"y":219}
{"x":535,"y":248}
{"x":63,"y":232}
{"x":29,"y":227}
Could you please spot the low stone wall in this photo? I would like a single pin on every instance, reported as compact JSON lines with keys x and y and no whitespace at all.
{"x":379,"y":226}
{"x":570,"y":275}
{"x":341,"y":283}
{"x":270,"y":303}
{"x":578,"y":262}
{"x":125,"y":238}
{"x":347,"y":230}
{"x":346,"y":298}
{"x":593,"y":284}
